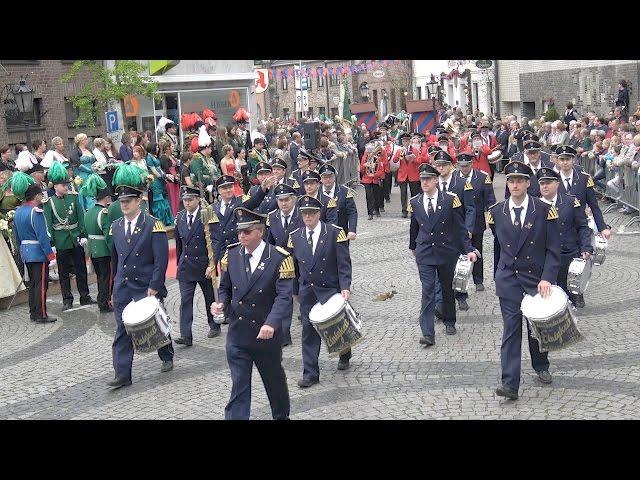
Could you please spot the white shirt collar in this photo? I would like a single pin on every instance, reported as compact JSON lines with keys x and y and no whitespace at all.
{"x":564,"y":178}
{"x":332,"y":192}
{"x":552,"y":201}
{"x":134,"y":222}
{"x":441,"y":180}
{"x":523,"y":213}
{"x":195,"y":213}
{"x":256,"y":255}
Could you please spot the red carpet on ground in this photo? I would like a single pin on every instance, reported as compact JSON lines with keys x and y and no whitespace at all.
{"x":172,"y":267}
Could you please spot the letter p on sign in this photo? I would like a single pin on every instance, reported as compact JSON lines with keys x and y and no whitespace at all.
{"x":112,"y":122}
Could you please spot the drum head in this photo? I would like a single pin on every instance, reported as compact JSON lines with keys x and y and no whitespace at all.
{"x":140,"y":311}
{"x":323,"y":312}
{"x":538,"y":307}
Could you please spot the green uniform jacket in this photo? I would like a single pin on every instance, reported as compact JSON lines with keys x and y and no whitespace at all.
{"x":115,"y":212}
{"x":200,"y":170}
{"x":59,"y":212}
{"x":96,"y":224}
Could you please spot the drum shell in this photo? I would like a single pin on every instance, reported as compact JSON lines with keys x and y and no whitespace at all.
{"x":578,"y":276}
{"x":462,"y":274}
{"x":340,"y":332}
{"x":151,"y":334}
{"x":495,"y":156}
{"x":599,"y":250}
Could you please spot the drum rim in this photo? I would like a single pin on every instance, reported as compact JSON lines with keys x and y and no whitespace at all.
{"x":326,"y":318}
{"x":139,"y":303}
{"x":554,"y":288}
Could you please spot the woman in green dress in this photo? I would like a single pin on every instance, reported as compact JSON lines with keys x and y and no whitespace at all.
{"x":83,"y":166}
{"x":160,"y":207}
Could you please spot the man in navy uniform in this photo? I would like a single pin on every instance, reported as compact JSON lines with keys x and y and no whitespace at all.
{"x":532,"y":157}
{"x":575,"y":234}
{"x":450,"y":182}
{"x":321,"y":252}
{"x":256,"y":296}
{"x":329,"y":210}
{"x":437,"y":237}
{"x":263,"y":171}
{"x":306,"y":161}
{"x":483,"y":197}
{"x":527,"y":230}
{"x":35,"y":244}
{"x":193,"y":264}
{"x":342,"y":197}
{"x":278,"y":169}
{"x":536,"y":152}
{"x":139,"y":263}
{"x":224,"y":233}
{"x":579,"y":183}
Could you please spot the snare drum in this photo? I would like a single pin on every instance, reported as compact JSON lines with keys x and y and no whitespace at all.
{"x":462,"y":274}
{"x":578,"y":276}
{"x":147,"y":324}
{"x":495,"y":156}
{"x":337,"y":323}
{"x":552,"y":320}
{"x":599,"y":249}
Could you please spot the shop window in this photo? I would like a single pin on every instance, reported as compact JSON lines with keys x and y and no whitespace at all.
{"x":284,"y":83}
{"x":72,"y":113}
{"x":225,"y":102}
{"x":285,"y":113}
{"x":333,"y":80}
{"x":320,"y":77}
{"x":310,"y":113}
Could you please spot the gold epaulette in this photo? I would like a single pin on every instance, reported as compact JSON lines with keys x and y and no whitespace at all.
{"x":349,"y":193}
{"x":159,"y":227}
{"x":245,"y":198}
{"x":268,"y":223}
{"x":295,"y":184}
{"x":214,"y":218}
{"x":290,"y":242}
{"x":333,"y":203}
{"x":576,"y":203}
{"x":487,"y":180}
{"x":490,"y":220}
{"x":342,"y":237}
{"x":468,"y":186}
{"x":287,"y":268}
{"x":590,"y":183}
{"x":225,"y":261}
{"x":409,"y":207}
{"x":456,"y":202}
{"x":553,"y":214}
{"x":283,"y":251}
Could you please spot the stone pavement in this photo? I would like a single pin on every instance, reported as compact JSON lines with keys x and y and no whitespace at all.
{"x":59,"y":371}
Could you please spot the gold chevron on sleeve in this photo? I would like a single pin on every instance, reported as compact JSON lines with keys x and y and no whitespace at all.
{"x":225,"y":261}
{"x":490,"y":220}
{"x":158,"y":227}
{"x":287,"y":268}
{"x":246,"y":198}
{"x":487,"y":180}
{"x":468,"y":186}
{"x":576,"y":203}
{"x":333,"y":203}
{"x":456,"y":202}
{"x":409,"y":207}
{"x":590,"y":183}
{"x":553,"y":214}
{"x":349,"y":193}
{"x":342,"y":237}
{"x":290,"y":242}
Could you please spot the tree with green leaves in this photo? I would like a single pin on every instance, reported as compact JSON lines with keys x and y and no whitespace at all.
{"x":107,"y":86}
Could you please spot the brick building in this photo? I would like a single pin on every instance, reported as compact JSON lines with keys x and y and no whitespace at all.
{"x":388,"y":86}
{"x":53,"y":112}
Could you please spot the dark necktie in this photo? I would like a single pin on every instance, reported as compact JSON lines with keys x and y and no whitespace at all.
{"x":517,"y":223}
{"x":286,"y":222}
{"x":444,"y":187}
{"x":430,"y":207}
{"x":128,"y":231}
{"x":310,"y":241}
{"x":568,"y":185}
{"x":190,"y":220}
{"x":226,"y":209}
{"x":247,"y":265}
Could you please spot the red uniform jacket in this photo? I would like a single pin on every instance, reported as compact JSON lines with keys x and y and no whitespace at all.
{"x":409,"y":170}
{"x":378,"y":174}
{"x":481,"y":160}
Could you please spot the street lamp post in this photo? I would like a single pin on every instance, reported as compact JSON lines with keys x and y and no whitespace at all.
{"x":364,"y":91}
{"x":23,"y":96}
{"x":432,"y":90}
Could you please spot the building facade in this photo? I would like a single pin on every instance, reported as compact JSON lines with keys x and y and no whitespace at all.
{"x":53,"y":112}
{"x":388,"y":88}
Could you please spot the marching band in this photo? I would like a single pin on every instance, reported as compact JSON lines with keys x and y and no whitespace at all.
{"x":288,"y":240}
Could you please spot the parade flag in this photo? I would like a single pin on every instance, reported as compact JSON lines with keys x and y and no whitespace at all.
{"x":346,"y":111}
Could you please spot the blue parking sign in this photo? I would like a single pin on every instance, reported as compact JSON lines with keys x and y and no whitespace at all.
{"x":112,"y":122}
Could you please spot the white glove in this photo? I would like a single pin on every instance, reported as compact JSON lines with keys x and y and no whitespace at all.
{"x":53,"y":263}
{"x":82,"y":241}
{"x":210,"y":188}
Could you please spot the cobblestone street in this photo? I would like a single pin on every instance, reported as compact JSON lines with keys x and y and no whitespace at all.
{"x":60,"y":370}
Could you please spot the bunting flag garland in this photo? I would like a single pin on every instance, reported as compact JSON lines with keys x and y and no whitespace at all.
{"x":342,"y":70}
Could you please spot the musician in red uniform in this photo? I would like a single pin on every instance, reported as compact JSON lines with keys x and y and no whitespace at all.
{"x":410,"y":158}
{"x":443,"y":141}
{"x":372,"y":170}
{"x":480,"y":153}
{"x":389,"y":150}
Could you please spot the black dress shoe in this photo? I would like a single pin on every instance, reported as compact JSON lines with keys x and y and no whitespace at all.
{"x":167,"y":366}
{"x":503,"y":391}
{"x":119,"y":382}
{"x":307,"y":382}
{"x":343,"y":364}
{"x":184,"y":341}
{"x":404,"y":215}
{"x":370,"y":217}
{"x":463,"y":305}
{"x":377,"y":213}
{"x":106,"y":309}
{"x":450,"y":329}
{"x":388,"y":200}
{"x":545,"y":377}
{"x":381,"y":210}
{"x":212,"y":333}
{"x":428,"y":341}
{"x":45,"y":320}
{"x":67,"y":306}
{"x":479,"y":287}
{"x":579,"y":301}
{"x":87,"y":301}
{"x":438,"y":314}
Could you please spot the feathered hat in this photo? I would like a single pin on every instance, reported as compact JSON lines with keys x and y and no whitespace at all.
{"x":188,"y":120}
{"x":20,"y":182}
{"x":210,"y":117}
{"x":95,"y":186}
{"x":241,"y":116}
{"x":162,"y":124}
{"x":25,"y":161}
{"x":57,"y":173}
{"x":128,"y":180}
{"x":204,"y":140}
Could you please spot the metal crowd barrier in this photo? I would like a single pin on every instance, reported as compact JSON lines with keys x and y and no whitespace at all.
{"x":629,"y":181}
{"x":347,"y":169}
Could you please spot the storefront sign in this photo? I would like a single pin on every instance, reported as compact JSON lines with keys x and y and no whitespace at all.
{"x":131,"y":106}
{"x":112,"y":122}
{"x":378,"y":73}
{"x":483,"y":64}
